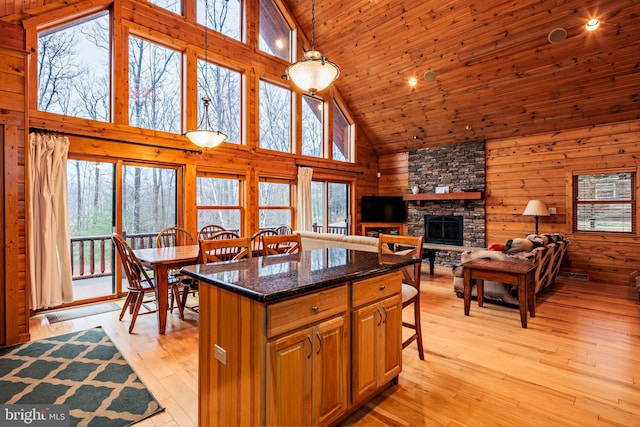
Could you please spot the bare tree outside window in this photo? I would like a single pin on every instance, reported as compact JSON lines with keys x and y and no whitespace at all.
{"x":174,"y":6}
{"x":274,"y":200}
{"x":275,"y":117}
{"x":223,"y":15}
{"x":218,"y":202}
{"x":223,"y":87}
{"x":73,"y":68}
{"x":155,"y":81}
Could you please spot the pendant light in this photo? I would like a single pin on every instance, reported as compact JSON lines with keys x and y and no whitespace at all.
{"x":315,"y":72}
{"x":205,"y":136}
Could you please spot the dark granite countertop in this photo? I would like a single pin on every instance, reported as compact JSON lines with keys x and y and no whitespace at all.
{"x":277,"y":277}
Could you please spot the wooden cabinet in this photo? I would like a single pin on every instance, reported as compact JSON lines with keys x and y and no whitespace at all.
{"x":307,"y":375}
{"x":377,"y":335}
{"x":297,"y":361}
{"x":375,"y":228}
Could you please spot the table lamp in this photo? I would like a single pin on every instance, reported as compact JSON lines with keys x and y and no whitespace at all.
{"x":536,"y":208}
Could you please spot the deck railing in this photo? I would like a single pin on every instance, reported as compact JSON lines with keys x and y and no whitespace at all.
{"x":91,"y":256}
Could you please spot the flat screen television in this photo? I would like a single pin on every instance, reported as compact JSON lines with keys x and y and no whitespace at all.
{"x":383,"y":209}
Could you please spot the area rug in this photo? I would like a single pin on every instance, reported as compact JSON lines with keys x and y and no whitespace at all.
{"x":82,"y":369}
{"x":75,"y":313}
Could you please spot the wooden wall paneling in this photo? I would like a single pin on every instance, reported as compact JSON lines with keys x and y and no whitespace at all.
{"x":536,"y":167}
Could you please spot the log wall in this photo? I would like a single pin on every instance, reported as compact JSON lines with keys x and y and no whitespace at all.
{"x":540,"y":167}
{"x":14,"y":309}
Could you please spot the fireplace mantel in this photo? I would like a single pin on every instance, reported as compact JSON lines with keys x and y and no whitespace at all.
{"x":462,"y":196}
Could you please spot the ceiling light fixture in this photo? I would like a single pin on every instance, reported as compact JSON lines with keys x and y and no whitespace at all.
{"x":315,"y":72}
{"x":413,"y":81}
{"x":204,"y":136}
{"x":592,"y":24}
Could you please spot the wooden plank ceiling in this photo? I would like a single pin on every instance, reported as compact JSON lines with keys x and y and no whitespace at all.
{"x":496,"y":74}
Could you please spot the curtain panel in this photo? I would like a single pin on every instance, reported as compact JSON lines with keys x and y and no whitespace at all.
{"x":304,"y":198}
{"x":49,"y":258}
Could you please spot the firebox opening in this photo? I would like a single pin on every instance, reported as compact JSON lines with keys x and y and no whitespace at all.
{"x":443,"y":229}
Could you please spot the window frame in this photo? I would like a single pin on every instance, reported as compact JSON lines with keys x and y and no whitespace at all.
{"x":572,"y":195}
{"x":241,"y":207}
{"x":338,"y":105}
{"x":292,"y":199}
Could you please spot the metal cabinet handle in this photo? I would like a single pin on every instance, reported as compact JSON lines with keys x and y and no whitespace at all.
{"x":310,"y":347}
{"x":380,"y":313}
{"x":314,"y":308}
{"x":382,"y":287}
{"x":319,"y":342}
{"x":385,"y":314}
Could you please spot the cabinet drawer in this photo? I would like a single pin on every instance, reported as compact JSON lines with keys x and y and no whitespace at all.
{"x":375,"y":288}
{"x":305,"y":310}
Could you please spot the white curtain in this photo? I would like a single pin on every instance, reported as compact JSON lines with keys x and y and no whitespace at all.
{"x":49,"y":259}
{"x":304,"y":198}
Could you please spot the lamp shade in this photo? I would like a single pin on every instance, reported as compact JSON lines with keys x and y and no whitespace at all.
{"x":536,"y":208}
{"x":206,"y":138}
{"x":313,"y":73}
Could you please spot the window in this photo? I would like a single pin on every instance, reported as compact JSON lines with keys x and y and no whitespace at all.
{"x":275,"y":33}
{"x":171,"y":5}
{"x":274,"y":199}
{"x":218,"y":201}
{"x":223,"y":15}
{"x":330,"y":207}
{"x":342,"y":138}
{"x":222,"y":85}
{"x":604,"y":202}
{"x":312,"y":126}
{"x":68,"y":83}
{"x":155,"y":79}
{"x":275,"y":117}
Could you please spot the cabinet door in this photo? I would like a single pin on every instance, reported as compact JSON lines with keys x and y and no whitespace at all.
{"x":288,"y":382}
{"x":366,"y":325}
{"x":391,"y":343}
{"x":330,"y":368}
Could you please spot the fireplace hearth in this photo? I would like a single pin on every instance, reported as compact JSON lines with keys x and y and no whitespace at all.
{"x":443,"y":229}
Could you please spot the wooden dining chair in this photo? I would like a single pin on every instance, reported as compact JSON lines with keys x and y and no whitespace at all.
{"x":409,"y":246}
{"x":174,"y":236}
{"x":217,"y":250}
{"x":256,"y":239}
{"x":141,"y":286}
{"x":207,"y":231}
{"x":222,"y":235}
{"x":281,"y":244}
{"x":283,"y":229}
{"x":178,"y":236}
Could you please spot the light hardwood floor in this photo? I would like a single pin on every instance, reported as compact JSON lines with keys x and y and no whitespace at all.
{"x":577,"y":364}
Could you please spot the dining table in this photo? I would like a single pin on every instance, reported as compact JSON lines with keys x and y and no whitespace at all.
{"x":162,"y":261}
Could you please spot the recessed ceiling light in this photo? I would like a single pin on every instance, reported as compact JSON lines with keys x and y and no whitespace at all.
{"x":592,"y":24}
{"x":413,"y":81}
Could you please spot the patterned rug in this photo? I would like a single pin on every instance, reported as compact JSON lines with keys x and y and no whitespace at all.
{"x":82,"y":369}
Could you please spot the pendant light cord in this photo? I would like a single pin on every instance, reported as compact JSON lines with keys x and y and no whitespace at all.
{"x":313,"y":24}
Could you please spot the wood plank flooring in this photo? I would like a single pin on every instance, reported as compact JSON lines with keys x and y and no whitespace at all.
{"x":577,"y":364}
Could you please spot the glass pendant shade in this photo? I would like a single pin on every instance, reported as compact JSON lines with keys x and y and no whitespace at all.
{"x":205,"y":136}
{"x":314,"y":73}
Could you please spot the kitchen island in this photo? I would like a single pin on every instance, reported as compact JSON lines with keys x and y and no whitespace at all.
{"x":301,"y":339}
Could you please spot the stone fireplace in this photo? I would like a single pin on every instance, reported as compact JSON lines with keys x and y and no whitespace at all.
{"x":461,"y":167}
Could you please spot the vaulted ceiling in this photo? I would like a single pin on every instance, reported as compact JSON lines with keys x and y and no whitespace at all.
{"x":496,"y":73}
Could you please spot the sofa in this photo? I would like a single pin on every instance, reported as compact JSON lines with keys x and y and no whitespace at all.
{"x":546,"y":250}
{"x":313,"y":240}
